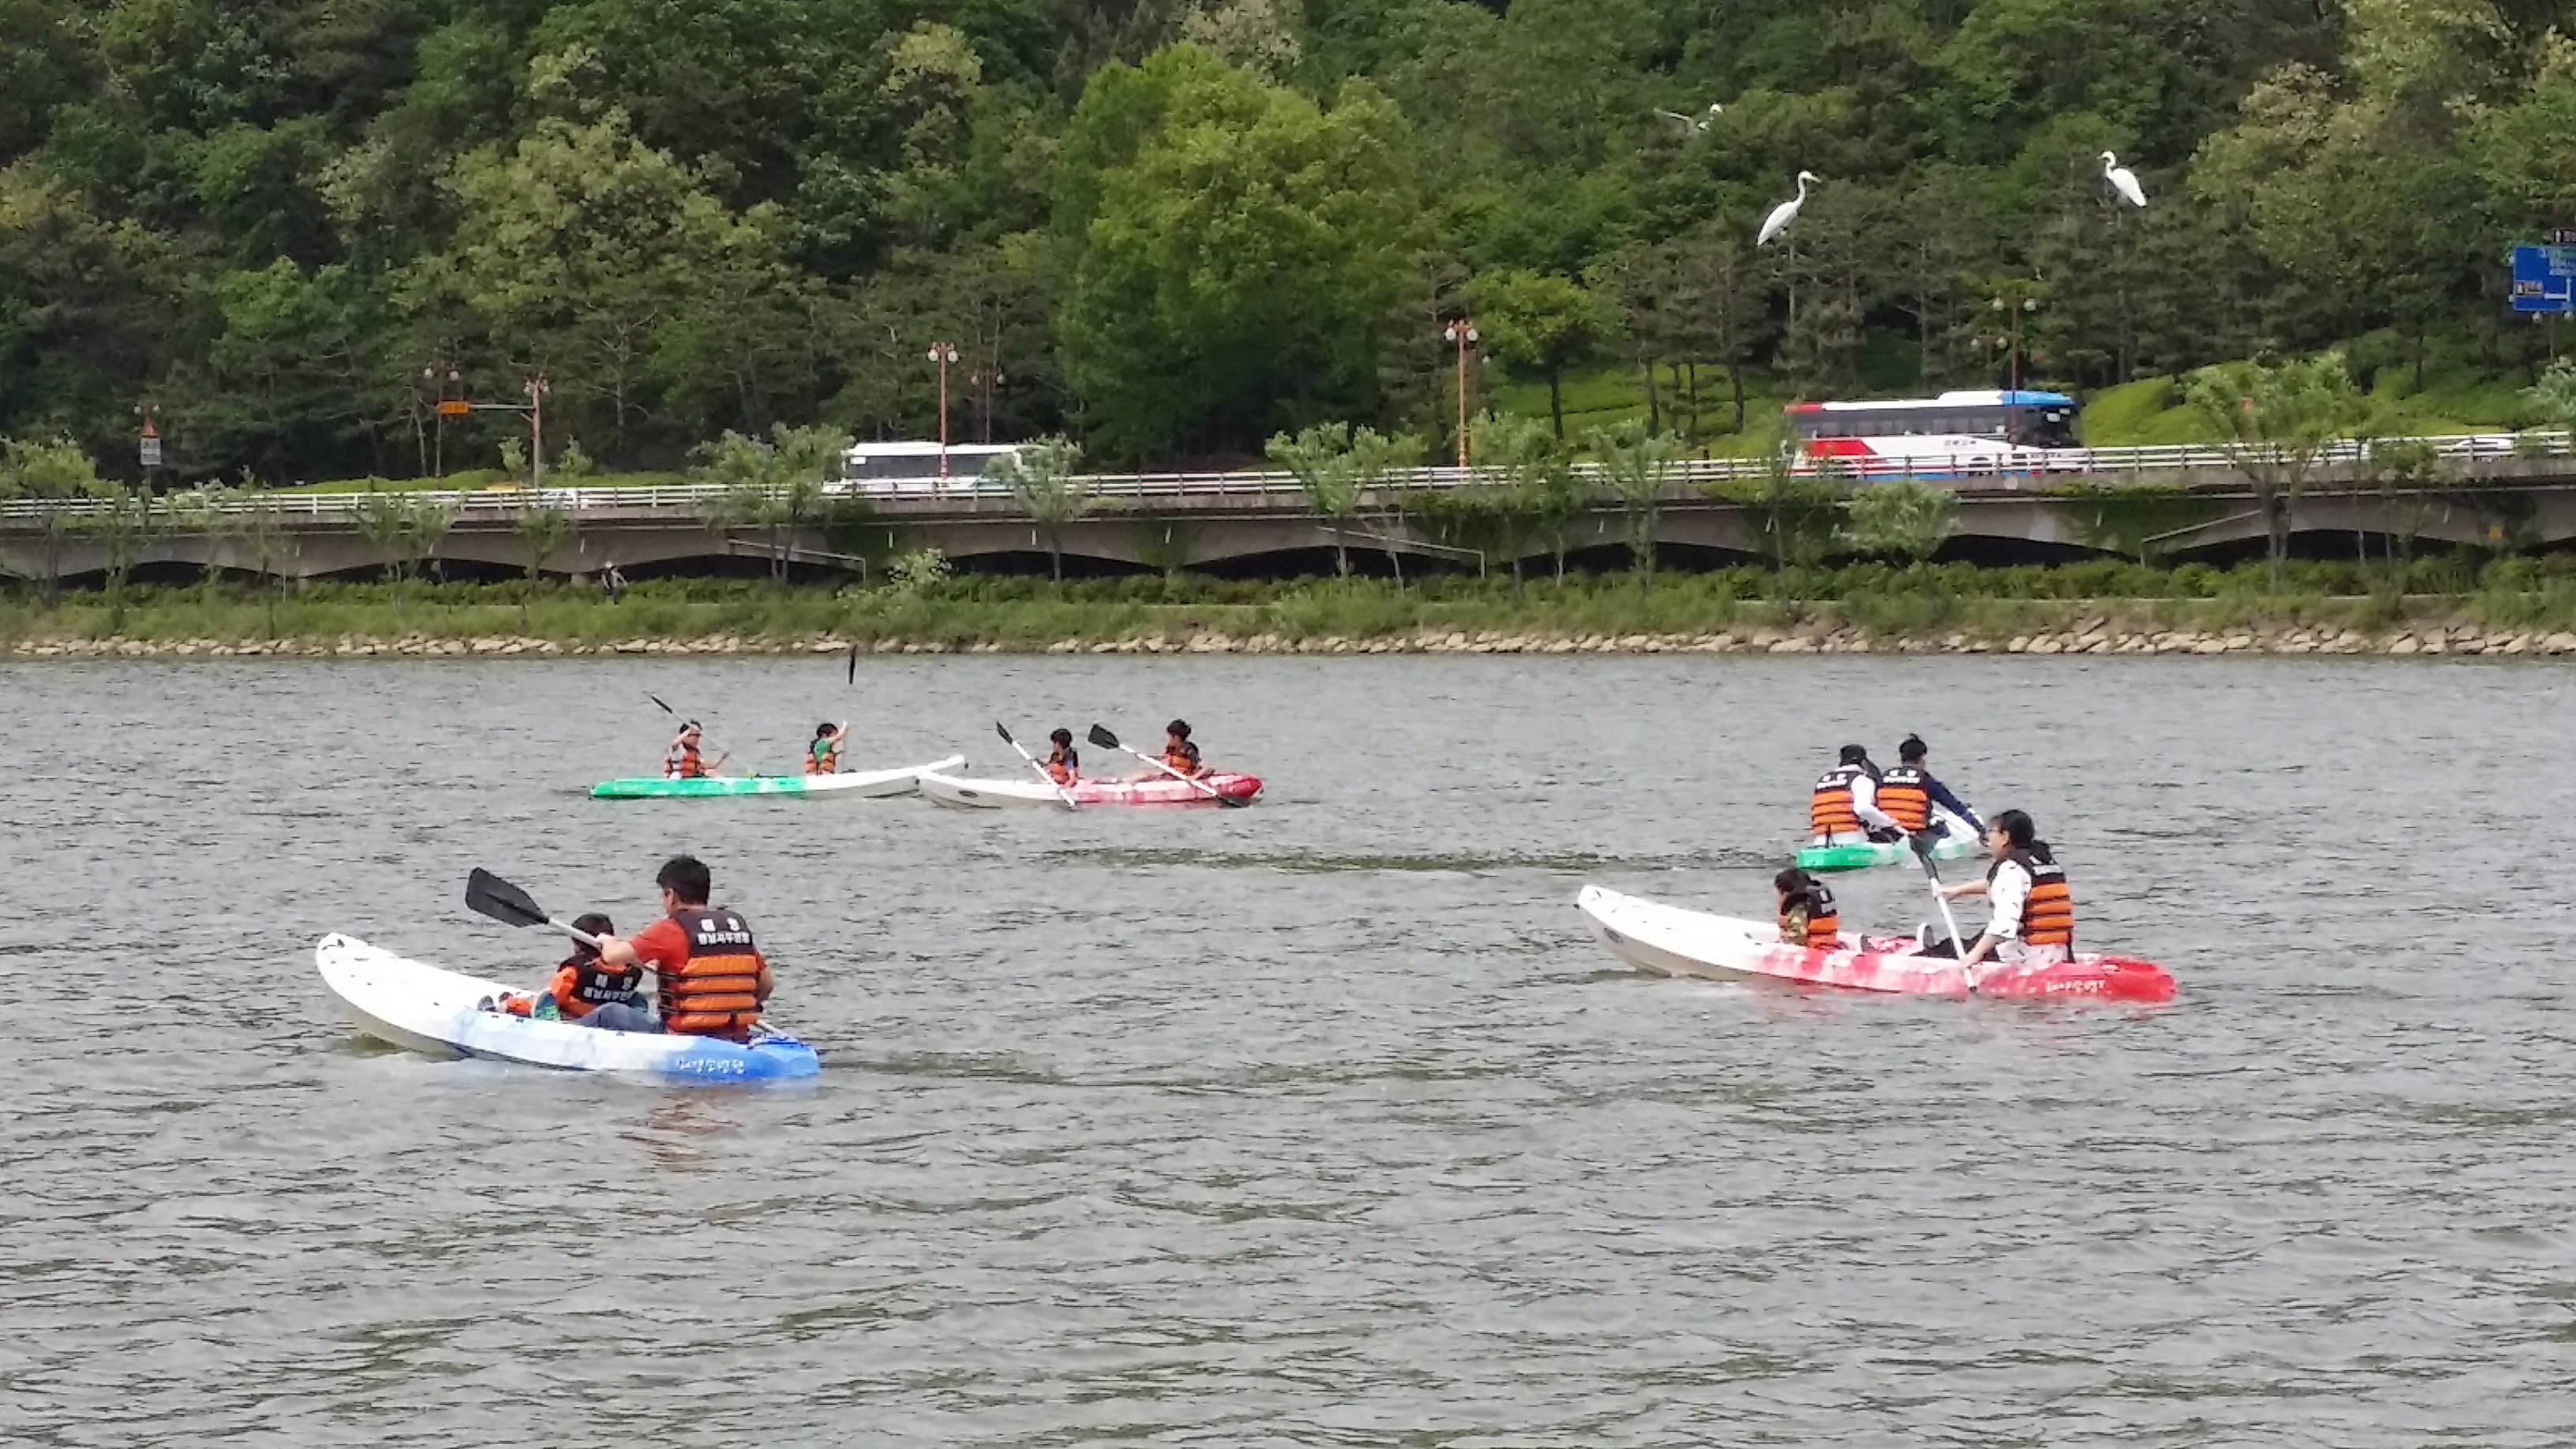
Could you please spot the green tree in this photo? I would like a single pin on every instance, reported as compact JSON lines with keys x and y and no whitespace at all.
{"x":1547,"y":324}
{"x":1040,"y":476}
{"x":1543,"y":495}
{"x":58,"y":476}
{"x":2279,"y":420}
{"x":1904,"y":519}
{"x":773,"y":485}
{"x":2553,"y":398}
{"x":1798,"y":519}
{"x":126,"y":522}
{"x":1638,"y":466}
{"x":542,"y":532}
{"x":1241,"y":253}
{"x":404,"y":528}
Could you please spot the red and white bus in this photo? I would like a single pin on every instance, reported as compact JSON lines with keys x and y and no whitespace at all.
{"x":1957,"y":432}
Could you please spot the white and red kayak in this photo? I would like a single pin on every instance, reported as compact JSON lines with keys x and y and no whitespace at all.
{"x":973,"y":794}
{"x":1676,"y":942}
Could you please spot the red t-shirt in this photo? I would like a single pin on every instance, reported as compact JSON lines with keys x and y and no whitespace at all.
{"x":662,"y":944}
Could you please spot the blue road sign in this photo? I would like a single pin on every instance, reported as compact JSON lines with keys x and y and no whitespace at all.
{"x":2544,"y":281}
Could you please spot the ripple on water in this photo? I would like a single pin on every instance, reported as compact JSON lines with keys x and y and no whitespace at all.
{"x":1317,"y":1123}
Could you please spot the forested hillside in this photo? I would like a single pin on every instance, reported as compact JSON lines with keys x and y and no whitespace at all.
{"x":1173,"y":229}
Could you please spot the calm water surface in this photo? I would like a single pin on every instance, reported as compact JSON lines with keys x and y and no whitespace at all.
{"x":1317,"y":1123}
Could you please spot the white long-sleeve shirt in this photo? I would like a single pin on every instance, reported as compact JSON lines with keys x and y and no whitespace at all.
{"x":1865,"y":805}
{"x":2006,"y":894}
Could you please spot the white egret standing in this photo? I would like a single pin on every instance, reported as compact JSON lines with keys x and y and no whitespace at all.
{"x":1785,"y":213}
{"x":1682,"y":125}
{"x":2122,"y":180}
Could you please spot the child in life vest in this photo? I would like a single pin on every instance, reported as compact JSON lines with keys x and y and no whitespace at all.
{"x":581,"y":984}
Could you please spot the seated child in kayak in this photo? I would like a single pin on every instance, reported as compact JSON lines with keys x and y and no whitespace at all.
{"x":823,"y":756}
{"x":1180,"y":754}
{"x":582,"y":984}
{"x":1063,"y":762}
{"x":1807,"y":913}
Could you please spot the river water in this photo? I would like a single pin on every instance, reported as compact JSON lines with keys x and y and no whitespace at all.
{"x":1317,"y":1123}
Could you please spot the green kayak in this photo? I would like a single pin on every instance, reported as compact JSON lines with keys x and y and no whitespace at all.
{"x":866,"y":785}
{"x":1862,"y":857}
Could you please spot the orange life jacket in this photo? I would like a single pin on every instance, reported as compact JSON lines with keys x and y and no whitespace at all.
{"x":1829,"y":809}
{"x":1063,"y":766}
{"x":681,"y":762}
{"x":822,"y":760}
{"x":1183,"y":757}
{"x":2048,"y":912}
{"x":716,"y":992}
{"x":1902,"y":796}
{"x":583,"y":984}
{"x":1824,"y":925}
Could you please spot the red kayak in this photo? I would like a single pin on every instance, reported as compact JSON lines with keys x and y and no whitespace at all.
{"x":1689,"y":943}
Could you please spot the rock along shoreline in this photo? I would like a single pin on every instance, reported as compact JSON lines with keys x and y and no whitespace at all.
{"x":2086,"y":637}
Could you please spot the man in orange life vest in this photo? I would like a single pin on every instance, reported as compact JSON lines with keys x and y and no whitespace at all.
{"x":1842,"y":809}
{"x":2033,"y":913}
{"x":1909,"y":792}
{"x":709,"y":978}
{"x":582,"y":985}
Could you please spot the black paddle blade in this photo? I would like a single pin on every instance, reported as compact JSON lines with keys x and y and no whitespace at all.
{"x":666,"y":709}
{"x":1104,"y":738}
{"x":487,"y":894}
{"x":854,"y":664}
{"x":1005,"y":734}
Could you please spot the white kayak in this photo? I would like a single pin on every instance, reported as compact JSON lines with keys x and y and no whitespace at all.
{"x":851,"y":785}
{"x":419,"y":1006}
{"x":975,"y":794}
{"x":1677,"y":942}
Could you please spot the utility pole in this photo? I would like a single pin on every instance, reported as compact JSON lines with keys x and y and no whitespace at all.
{"x":1463,"y":333}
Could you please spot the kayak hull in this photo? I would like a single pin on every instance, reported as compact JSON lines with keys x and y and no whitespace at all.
{"x":973,"y":794}
{"x":426,"y":1009}
{"x":1667,"y":939}
{"x":859,"y":785}
{"x":1958,"y":843}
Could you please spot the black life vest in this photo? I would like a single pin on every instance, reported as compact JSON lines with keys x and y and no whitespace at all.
{"x":1824,"y":925}
{"x":596,"y":984}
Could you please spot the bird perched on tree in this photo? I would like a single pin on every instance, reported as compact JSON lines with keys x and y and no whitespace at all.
{"x":1785,"y":213}
{"x":1681,"y":125}
{"x":2122,"y":180}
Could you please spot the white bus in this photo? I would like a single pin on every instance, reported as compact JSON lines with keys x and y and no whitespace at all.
{"x":909,"y":467}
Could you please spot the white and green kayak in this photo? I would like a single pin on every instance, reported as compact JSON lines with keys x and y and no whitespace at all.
{"x":1957,"y":843}
{"x":862,"y":785}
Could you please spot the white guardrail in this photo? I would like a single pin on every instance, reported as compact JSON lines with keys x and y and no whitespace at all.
{"x":1948,"y":468}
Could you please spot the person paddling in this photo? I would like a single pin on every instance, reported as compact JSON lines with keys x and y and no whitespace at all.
{"x":1807,"y":913}
{"x":582,"y":983}
{"x":1842,"y":808}
{"x":1063,"y":762}
{"x":709,"y":977}
{"x":2032,"y":920}
{"x":823,"y":756}
{"x":1908,"y":793}
{"x":1180,"y":754}
{"x":682,"y":760}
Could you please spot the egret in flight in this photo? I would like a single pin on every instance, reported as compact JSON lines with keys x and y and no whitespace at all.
{"x":2122,"y":180}
{"x":1682,"y":125}
{"x":1785,"y":213}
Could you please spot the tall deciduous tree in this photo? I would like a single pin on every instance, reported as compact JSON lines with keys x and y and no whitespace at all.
{"x":2279,"y":420}
{"x":1241,"y":253}
{"x":1545,"y":324}
{"x":1041,"y":476}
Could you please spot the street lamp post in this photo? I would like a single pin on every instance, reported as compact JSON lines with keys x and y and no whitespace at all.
{"x":943,"y":353}
{"x":1463,"y":333}
{"x":2014,"y":310}
{"x":536,"y":391}
{"x":455,"y":407}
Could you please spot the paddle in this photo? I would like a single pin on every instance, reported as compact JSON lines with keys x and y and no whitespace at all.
{"x":1108,"y":741}
{"x":1061,"y":793}
{"x":487,"y":894}
{"x":684,"y":719}
{"x":1922,"y":842}
{"x":854,"y":664}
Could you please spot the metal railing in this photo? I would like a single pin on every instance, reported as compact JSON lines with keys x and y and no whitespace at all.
{"x":2058,"y":463}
